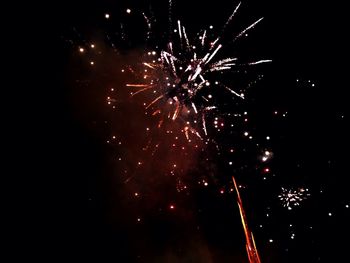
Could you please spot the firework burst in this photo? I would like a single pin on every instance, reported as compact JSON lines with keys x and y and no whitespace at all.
{"x":183,"y":75}
{"x":293,"y":197}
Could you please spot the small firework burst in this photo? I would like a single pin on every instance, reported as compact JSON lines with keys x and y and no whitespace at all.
{"x":293,"y":197}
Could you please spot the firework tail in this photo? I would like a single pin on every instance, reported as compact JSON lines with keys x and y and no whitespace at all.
{"x":253,"y":255}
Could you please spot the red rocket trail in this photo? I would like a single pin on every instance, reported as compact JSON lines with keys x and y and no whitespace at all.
{"x":252,"y":251}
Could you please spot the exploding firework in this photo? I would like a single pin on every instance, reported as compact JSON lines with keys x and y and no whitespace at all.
{"x":293,"y":197}
{"x":183,"y":76}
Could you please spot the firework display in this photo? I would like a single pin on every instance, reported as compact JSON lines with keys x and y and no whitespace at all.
{"x":190,"y":124}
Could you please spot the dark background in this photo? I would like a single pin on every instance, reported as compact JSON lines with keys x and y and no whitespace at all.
{"x":66,"y":214}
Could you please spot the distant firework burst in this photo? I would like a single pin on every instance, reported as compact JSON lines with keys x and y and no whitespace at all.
{"x":293,"y":197}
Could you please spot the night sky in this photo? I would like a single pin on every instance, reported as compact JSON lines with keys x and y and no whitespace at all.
{"x":91,"y":210}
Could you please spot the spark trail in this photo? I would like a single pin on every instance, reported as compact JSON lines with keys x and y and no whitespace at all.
{"x":252,"y":251}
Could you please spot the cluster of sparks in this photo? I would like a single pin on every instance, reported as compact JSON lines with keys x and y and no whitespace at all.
{"x":182,"y":76}
{"x":293,"y":197}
